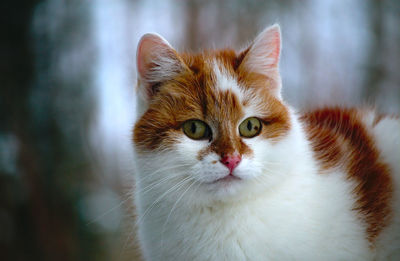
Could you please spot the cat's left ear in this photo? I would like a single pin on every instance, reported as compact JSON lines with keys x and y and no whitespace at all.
{"x":262,"y":57}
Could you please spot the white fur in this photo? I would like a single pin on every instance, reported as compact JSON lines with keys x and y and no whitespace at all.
{"x":224,"y":80}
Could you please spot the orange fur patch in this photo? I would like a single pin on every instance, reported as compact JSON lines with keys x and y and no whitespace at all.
{"x":339,"y":139}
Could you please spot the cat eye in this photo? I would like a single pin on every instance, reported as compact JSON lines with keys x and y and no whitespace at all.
{"x":250,"y":127}
{"x":196,"y":129}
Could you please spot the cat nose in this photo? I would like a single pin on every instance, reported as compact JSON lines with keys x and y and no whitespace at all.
{"x":231,"y":161}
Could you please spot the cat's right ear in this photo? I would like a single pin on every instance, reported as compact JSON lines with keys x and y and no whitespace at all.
{"x":156,"y":62}
{"x":263,"y":56}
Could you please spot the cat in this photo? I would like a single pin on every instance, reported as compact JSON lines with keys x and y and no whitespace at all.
{"x":226,"y":170}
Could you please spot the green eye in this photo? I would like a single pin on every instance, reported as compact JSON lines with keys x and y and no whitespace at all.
{"x":196,"y":129}
{"x":250,"y":127}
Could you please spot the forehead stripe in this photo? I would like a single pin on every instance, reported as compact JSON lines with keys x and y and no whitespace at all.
{"x":224,"y":80}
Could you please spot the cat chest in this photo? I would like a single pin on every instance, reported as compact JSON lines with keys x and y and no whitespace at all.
{"x":237,"y":235}
{"x":275,"y":233}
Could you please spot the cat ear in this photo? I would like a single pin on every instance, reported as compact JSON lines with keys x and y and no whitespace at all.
{"x":263,"y":56}
{"x":156,"y":62}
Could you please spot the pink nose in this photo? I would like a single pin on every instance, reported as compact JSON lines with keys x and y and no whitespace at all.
{"x":231,"y":161}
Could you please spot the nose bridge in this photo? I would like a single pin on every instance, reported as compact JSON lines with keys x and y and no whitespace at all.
{"x":225,"y":117}
{"x":225,"y":142}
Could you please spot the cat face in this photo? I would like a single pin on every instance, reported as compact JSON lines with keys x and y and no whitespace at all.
{"x":212,"y":123}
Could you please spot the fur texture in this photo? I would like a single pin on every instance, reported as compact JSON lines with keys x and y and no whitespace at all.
{"x":323,"y":185}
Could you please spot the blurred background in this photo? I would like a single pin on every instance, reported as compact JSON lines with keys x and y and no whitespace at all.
{"x":67,"y":101}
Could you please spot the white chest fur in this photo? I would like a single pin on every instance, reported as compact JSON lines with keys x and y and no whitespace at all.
{"x":308,"y":218}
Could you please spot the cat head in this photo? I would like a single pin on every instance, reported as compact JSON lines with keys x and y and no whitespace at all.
{"x":211,"y":124}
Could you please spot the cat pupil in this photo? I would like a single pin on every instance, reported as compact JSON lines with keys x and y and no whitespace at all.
{"x":193,"y":127}
{"x":249,"y":125}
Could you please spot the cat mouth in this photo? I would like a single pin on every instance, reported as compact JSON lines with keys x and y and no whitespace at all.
{"x":227,"y":178}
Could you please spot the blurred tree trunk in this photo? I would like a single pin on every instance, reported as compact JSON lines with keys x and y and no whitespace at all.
{"x":45,"y":111}
{"x":17,"y":67}
{"x":375,"y":60}
{"x":192,"y":33}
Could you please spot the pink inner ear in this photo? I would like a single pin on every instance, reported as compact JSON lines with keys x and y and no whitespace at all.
{"x":264,"y":54}
{"x":144,"y":56}
{"x":263,"y":58}
{"x":269,"y":46}
{"x":139,"y":59}
{"x":149,"y":47}
{"x":276,"y":43}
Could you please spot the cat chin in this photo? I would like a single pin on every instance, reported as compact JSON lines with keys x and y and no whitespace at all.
{"x":229,"y":190}
{"x":227,"y":186}
{"x":211,"y":193}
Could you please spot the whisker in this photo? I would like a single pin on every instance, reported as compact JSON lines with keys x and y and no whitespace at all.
{"x":173,"y":208}
{"x":152,"y":185}
{"x":161,"y":197}
{"x":107,"y":212}
{"x":164,"y":169}
{"x":128,"y":196}
{"x":128,"y":239}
